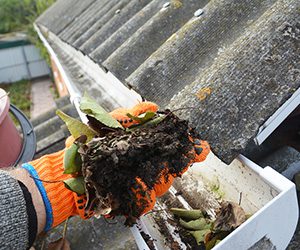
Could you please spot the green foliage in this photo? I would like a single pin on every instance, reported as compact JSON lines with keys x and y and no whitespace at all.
{"x":19,"y":15}
{"x":16,"y":15}
{"x":19,"y":94}
{"x":187,"y":214}
{"x":75,"y":184}
{"x":76,"y":128}
{"x":143,"y":117}
{"x":90,"y":107}
{"x":72,"y":160}
{"x":195,"y":225}
{"x":13,"y":15}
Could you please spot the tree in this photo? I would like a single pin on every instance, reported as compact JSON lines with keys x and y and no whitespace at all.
{"x":17,"y":15}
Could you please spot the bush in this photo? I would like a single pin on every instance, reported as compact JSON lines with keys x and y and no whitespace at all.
{"x":19,"y":94}
{"x":16,"y":15}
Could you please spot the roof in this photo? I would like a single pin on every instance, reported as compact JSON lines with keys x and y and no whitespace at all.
{"x":226,"y":65}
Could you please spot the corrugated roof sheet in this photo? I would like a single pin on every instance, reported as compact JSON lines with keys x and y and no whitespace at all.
{"x":234,"y":62}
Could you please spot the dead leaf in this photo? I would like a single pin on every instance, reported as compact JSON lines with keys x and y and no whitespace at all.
{"x":229,"y":217}
{"x":99,"y":127}
{"x":212,"y":239}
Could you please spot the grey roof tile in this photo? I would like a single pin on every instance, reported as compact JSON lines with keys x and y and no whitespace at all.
{"x":105,"y":49}
{"x":82,"y":81}
{"x":61,"y":14}
{"x":150,"y":37}
{"x":108,"y":12}
{"x":112,"y":25}
{"x":84,"y":25}
{"x":254,"y":76}
{"x":51,"y":132}
{"x":84,"y":19}
{"x":245,"y":53}
{"x":193,"y":48}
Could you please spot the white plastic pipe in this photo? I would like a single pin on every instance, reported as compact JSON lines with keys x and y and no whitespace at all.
{"x":75,"y":95}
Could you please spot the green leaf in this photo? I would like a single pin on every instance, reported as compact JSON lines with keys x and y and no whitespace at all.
{"x":152,"y":123}
{"x":72,"y":160}
{"x":90,"y":107}
{"x":76,"y":128}
{"x":155,"y":121}
{"x":199,"y":224}
{"x":75,"y":184}
{"x":199,"y":235}
{"x":142,"y":118}
{"x":187,"y":214}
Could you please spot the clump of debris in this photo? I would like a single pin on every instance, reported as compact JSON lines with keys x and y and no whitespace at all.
{"x":118,"y":168}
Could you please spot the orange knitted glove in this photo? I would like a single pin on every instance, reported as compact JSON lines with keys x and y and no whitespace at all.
{"x":120,"y":114}
{"x":200,"y":151}
{"x":60,"y":202}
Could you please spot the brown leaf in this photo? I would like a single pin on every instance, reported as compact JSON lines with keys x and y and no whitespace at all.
{"x":98,"y":126}
{"x":229,"y":217}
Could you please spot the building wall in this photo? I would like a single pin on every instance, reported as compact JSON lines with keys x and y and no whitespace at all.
{"x":22,"y":62}
{"x":59,"y":81}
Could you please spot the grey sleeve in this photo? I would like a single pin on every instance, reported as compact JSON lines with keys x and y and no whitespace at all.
{"x":13,"y":214}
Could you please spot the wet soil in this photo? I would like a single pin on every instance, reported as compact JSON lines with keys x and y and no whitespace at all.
{"x":112,"y":164}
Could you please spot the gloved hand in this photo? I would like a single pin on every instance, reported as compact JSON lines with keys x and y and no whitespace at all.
{"x":200,"y":151}
{"x":60,"y":202}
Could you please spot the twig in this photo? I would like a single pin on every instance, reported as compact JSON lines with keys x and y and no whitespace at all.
{"x":169,"y":112}
{"x":43,"y":244}
{"x":65,"y":228}
{"x":240,"y":198}
{"x":154,"y":211}
{"x":175,"y":110}
{"x":45,"y":180}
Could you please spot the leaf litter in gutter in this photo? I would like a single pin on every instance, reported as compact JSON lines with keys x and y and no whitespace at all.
{"x":207,"y":232}
{"x":229,"y":217}
{"x":187,"y":214}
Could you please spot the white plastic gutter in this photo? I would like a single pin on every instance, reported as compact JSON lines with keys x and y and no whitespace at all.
{"x":75,"y":95}
{"x":278,"y":117}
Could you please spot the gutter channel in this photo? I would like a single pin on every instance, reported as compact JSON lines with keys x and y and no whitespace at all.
{"x":75,"y":95}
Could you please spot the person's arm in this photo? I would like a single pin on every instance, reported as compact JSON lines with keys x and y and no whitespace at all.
{"x":22,"y":212}
{"x":23,"y":176}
